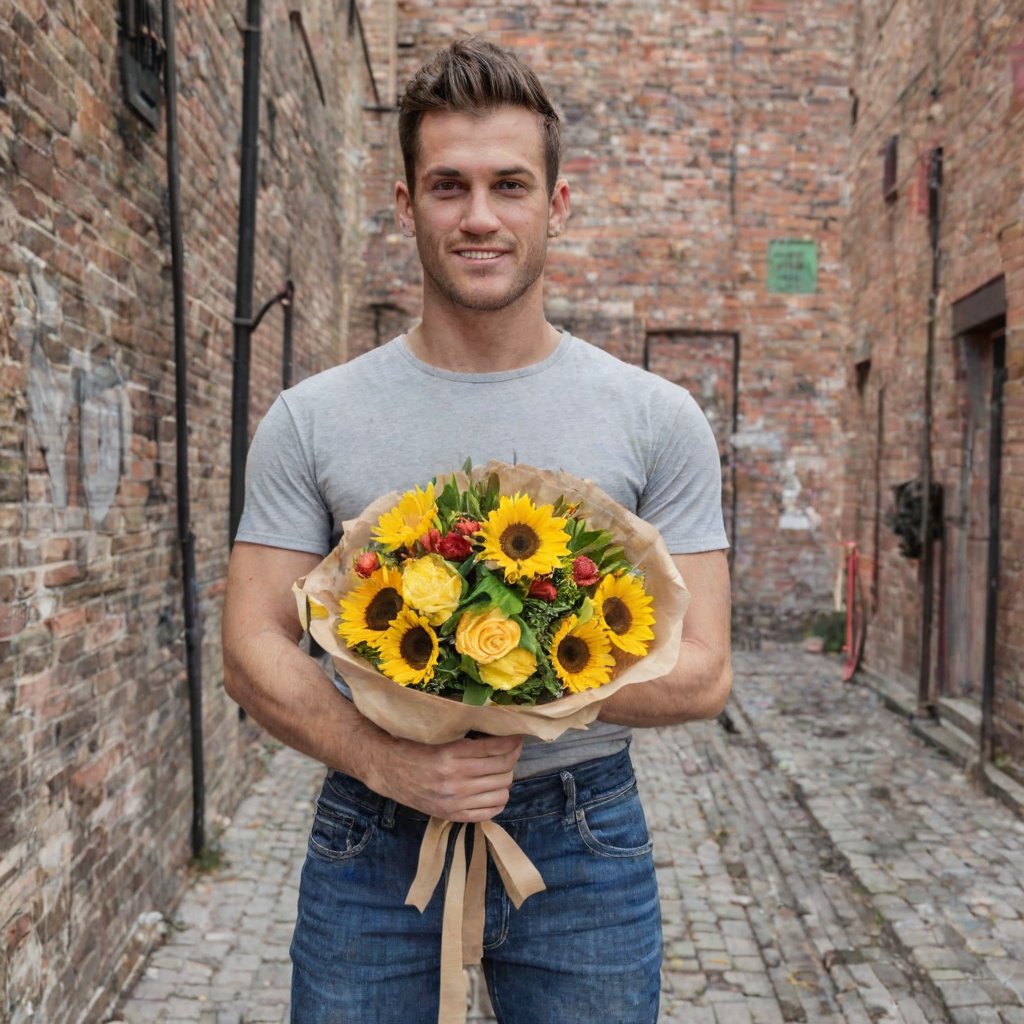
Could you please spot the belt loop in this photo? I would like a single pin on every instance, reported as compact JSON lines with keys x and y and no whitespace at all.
{"x":569,"y":785}
{"x":388,"y":816}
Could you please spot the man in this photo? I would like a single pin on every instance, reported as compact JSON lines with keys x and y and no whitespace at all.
{"x":482,"y":376}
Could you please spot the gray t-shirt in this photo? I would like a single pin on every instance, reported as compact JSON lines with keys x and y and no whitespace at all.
{"x":387,"y":421}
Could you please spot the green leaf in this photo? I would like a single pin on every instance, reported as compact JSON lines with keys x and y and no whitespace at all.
{"x":498,"y":593}
{"x":527,"y":639}
{"x":448,"y":499}
{"x":468,"y":667}
{"x":476,"y":694}
{"x":586,"y":612}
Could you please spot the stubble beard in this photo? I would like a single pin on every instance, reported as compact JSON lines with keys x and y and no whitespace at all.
{"x":482,"y":300}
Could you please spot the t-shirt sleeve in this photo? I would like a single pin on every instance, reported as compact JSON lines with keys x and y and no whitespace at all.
{"x":283,"y":504}
{"x":683,"y":496}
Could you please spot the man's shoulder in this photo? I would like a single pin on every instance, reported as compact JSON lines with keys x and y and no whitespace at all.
{"x":636,"y":379}
{"x":354,"y":373}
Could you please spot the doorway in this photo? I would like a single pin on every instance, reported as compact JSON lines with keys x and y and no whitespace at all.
{"x":707,"y":365}
{"x":971,"y":572}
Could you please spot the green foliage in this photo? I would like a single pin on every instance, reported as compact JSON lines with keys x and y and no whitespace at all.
{"x":831,"y":627}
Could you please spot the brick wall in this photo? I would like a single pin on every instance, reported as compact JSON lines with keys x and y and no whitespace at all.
{"x":94,"y":735}
{"x":952,"y":79}
{"x":696,"y":133}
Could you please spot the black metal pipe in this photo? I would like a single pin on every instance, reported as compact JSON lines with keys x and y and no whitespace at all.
{"x":988,"y":671}
{"x":246,"y":261}
{"x":924,"y":700}
{"x":193,"y":638}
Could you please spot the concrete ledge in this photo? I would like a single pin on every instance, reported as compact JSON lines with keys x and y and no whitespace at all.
{"x":947,"y":737}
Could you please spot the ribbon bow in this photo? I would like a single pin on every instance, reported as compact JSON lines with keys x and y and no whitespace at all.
{"x":462,"y":925}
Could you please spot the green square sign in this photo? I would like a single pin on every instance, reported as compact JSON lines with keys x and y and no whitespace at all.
{"x":792,"y":266}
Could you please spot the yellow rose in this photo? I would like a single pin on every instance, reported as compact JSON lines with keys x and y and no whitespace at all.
{"x":516,"y":667}
{"x":486,"y":636}
{"x":432,"y":587}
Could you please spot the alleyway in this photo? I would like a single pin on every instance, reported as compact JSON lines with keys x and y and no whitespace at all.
{"x":818,"y":863}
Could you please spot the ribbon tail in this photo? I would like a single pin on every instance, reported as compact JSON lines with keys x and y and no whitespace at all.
{"x":476,"y":893}
{"x":431,"y":864}
{"x":454,"y":990}
{"x":520,"y":877}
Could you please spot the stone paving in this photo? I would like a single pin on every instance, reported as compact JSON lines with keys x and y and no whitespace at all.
{"x":817,"y":863}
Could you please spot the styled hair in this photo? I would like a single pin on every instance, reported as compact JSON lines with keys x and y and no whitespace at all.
{"x":473,"y":76}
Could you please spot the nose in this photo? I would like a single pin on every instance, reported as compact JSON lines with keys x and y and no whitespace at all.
{"x":479,"y":217}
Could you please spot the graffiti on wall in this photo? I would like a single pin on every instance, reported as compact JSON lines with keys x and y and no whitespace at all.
{"x":81,"y":403}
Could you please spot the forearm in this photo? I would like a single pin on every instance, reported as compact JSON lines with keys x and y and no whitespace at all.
{"x":292,"y":698}
{"x":696,"y":688}
{"x":289,"y":694}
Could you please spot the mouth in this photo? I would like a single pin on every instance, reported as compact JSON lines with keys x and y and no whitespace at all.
{"x":479,"y":255}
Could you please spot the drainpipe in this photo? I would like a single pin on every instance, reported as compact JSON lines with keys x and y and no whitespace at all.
{"x":186,"y":537}
{"x":246,"y":260}
{"x":924,"y":700}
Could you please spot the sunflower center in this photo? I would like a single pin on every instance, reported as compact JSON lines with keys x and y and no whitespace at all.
{"x":618,"y":617}
{"x":519,"y":541}
{"x":383,"y":607}
{"x":416,"y":648}
{"x":573,"y":654}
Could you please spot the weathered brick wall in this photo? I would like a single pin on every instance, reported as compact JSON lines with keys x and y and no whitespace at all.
{"x":94,"y":747}
{"x":696,"y":132}
{"x":951,"y":77}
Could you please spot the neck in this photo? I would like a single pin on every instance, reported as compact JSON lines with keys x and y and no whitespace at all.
{"x":471,"y":341}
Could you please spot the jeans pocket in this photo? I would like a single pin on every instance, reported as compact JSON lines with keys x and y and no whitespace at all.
{"x":341,"y":829}
{"x":614,"y":826}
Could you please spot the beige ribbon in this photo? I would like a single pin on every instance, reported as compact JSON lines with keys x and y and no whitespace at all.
{"x":462,"y":924}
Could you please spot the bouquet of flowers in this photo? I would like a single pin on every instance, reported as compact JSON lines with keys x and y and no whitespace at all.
{"x":509,"y":601}
{"x":510,"y":592}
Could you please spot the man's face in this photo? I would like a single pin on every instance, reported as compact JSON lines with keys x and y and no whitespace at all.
{"x":481,"y":209}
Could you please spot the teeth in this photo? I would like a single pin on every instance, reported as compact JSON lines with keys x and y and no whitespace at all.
{"x":474,"y":255}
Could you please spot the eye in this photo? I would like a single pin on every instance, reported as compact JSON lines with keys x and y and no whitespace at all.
{"x":448,"y":185}
{"x":509,"y":185}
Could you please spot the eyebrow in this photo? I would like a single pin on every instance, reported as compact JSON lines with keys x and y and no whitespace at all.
{"x":501,"y":172}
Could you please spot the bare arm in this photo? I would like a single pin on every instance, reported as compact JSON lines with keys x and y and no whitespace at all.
{"x":699,"y":684}
{"x":288,"y":693}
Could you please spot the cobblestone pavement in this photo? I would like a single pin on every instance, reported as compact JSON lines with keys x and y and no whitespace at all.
{"x":817,"y":862}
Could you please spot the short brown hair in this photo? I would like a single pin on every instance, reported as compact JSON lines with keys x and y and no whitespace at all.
{"x":475,"y":77}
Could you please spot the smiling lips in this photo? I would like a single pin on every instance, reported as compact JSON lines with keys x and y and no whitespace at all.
{"x":479,"y":254}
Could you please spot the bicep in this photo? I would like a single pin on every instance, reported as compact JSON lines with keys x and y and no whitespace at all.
{"x":259,"y":590}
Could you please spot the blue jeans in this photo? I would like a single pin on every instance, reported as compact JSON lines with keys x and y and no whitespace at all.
{"x":587,"y":949}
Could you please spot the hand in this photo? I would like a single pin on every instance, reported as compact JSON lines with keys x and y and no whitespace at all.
{"x":466,"y":780}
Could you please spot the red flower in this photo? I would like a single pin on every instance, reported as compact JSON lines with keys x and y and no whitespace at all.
{"x":467,"y":526}
{"x":431,"y":539}
{"x":455,"y":547}
{"x":584,"y":571}
{"x":544,"y":589}
{"x":367,"y":564}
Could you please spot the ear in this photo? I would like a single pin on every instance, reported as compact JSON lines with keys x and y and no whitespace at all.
{"x":403,"y":209}
{"x":559,"y":208}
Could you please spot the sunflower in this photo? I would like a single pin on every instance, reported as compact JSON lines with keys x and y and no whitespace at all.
{"x":524,"y":539}
{"x":409,"y":649}
{"x":581,"y":654}
{"x":404,"y":524}
{"x":368,"y":610}
{"x":624,"y":609}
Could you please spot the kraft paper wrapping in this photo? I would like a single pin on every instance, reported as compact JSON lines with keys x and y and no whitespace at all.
{"x":427,"y":718}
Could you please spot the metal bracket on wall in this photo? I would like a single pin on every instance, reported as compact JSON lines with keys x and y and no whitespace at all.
{"x":295,"y":17}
